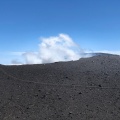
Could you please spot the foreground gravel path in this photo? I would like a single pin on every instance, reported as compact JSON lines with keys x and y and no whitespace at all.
{"x":87,"y":89}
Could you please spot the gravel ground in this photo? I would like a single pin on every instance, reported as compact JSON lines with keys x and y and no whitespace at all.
{"x":87,"y":89}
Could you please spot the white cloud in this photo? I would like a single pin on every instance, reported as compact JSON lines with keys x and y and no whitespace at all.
{"x":53,"y":49}
{"x":31,"y":58}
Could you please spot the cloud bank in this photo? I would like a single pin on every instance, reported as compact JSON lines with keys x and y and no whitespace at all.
{"x":54,"y":49}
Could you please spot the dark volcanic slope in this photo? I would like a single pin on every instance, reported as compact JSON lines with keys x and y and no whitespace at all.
{"x":87,"y":89}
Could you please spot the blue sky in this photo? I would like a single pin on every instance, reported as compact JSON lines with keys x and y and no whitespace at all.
{"x":93,"y":24}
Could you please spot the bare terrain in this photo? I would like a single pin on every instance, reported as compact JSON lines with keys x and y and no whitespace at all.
{"x":87,"y":89}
